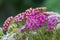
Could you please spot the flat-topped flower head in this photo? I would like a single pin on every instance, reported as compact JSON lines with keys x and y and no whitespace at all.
{"x":6,"y":23}
{"x":34,"y":18}
{"x":52,"y":21}
{"x":36,"y":21}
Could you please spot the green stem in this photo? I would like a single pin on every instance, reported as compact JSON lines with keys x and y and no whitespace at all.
{"x":41,"y":35}
{"x":54,"y":34}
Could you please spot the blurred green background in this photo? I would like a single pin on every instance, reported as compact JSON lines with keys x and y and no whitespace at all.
{"x":13,"y":7}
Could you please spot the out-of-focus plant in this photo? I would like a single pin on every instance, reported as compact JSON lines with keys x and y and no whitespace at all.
{"x":1,"y":33}
{"x":52,"y":5}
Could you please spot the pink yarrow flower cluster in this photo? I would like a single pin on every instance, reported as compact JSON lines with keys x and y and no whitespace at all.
{"x":36,"y":21}
{"x":35,"y":18}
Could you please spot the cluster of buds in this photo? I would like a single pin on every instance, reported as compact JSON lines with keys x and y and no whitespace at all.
{"x":7,"y":22}
{"x":20,"y":17}
{"x":34,"y":11}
